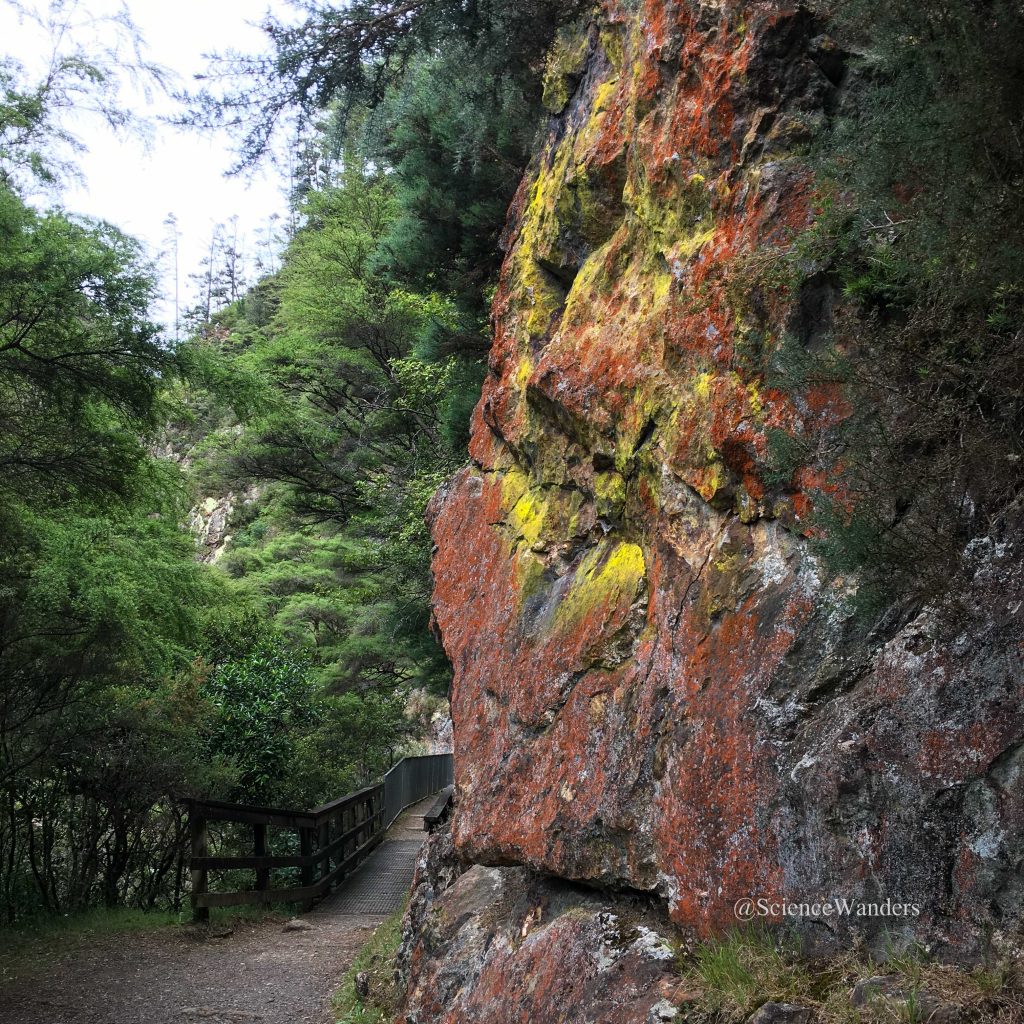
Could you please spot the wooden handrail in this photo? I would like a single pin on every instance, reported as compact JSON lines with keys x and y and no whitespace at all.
{"x":333,"y":838}
{"x":264,"y":861}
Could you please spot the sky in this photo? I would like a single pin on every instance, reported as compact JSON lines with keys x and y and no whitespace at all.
{"x":136,"y":185}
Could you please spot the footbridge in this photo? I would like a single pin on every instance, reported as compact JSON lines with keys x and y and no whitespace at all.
{"x":242,"y":854}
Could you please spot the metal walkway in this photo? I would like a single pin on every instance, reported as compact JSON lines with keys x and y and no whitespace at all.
{"x":381,"y":884}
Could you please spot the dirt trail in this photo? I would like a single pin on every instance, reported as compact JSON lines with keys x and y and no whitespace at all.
{"x":260,"y":974}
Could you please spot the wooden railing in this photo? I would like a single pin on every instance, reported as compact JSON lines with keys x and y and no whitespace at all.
{"x":333,"y":840}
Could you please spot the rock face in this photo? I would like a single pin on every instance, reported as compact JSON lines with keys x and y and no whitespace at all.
{"x":656,"y":688}
{"x":501,"y":944}
{"x":209,"y":522}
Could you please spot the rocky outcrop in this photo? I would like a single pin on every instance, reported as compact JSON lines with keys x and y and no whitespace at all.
{"x":209,"y":522}
{"x":657,"y":689}
{"x":497,"y":944}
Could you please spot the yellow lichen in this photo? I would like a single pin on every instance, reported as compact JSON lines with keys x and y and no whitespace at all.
{"x":564,"y":65}
{"x":610,"y":492}
{"x":523,"y":372}
{"x":603,"y":98}
{"x":527,"y":508}
{"x":607,"y":577}
{"x":712,"y":479}
{"x":702,"y":386}
{"x":754,"y":398}
{"x":589,"y":283}
{"x":678,"y":224}
{"x":545,"y":299}
{"x":611,"y":41}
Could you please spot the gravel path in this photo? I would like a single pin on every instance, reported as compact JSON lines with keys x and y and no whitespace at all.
{"x":259,"y":974}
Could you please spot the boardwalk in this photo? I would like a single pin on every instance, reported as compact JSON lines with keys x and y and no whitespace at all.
{"x":257,"y":975}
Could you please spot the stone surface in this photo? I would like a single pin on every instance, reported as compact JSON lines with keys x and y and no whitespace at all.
{"x":781,"y":1013}
{"x":654,"y":686}
{"x":503,"y":946}
{"x":210,"y":522}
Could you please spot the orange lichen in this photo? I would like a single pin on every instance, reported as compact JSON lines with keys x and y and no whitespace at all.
{"x":622,"y":585}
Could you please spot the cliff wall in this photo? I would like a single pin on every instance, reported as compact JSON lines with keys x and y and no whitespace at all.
{"x":658,"y":689}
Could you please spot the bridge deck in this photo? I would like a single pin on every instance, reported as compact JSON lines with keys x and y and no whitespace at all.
{"x":381,"y":884}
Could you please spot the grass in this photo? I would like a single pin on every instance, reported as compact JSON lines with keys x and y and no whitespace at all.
{"x":729,"y":978}
{"x":376,"y":960}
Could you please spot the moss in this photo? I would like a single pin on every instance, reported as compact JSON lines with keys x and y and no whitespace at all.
{"x":602,"y":102}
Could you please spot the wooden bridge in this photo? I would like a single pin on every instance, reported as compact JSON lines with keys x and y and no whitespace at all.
{"x":298,"y":856}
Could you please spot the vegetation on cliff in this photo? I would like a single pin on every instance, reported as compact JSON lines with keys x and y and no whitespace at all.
{"x":919,"y":253}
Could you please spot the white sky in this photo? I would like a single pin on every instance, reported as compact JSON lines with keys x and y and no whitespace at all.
{"x":180,"y":172}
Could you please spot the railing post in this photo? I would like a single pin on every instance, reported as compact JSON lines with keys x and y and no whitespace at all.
{"x":323,"y":840}
{"x":200,"y":848}
{"x":306,"y":871}
{"x":345,"y":822}
{"x":259,"y":845}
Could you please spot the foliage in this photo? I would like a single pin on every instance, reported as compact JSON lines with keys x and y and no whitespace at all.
{"x":101,"y":734}
{"x":359,"y":422}
{"x":263,"y":705}
{"x":354,"y":54}
{"x":37,"y":140}
{"x":376,"y":960}
{"x":920,"y":244}
{"x":80,"y":364}
{"x":458,"y":138}
{"x":133,"y":677}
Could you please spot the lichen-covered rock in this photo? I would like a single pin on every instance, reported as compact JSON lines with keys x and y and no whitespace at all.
{"x":437,"y":868}
{"x":655,"y":686}
{"x":502,"y":946}
{"x":781,"y":1013}
{"x":210,"y":521}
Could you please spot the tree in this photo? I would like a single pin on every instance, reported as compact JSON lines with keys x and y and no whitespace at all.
{"x":80,"y":363}
{"x":263,"y":701}
{"x":921,"y":240}
{"x":36,"y":137}
{"x":353,"y":54}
